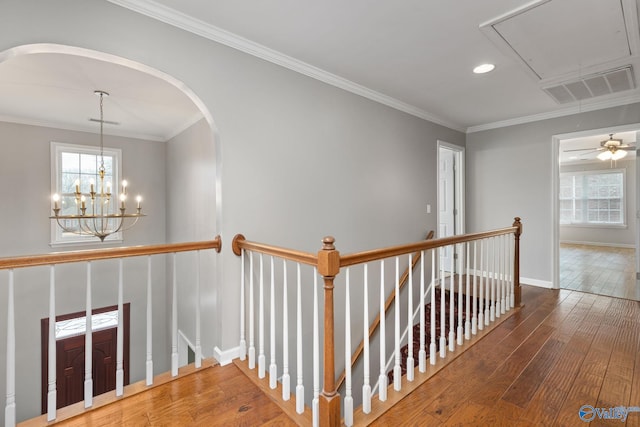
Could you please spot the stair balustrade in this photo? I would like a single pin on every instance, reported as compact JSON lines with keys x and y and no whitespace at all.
{"x":90,"y":258}
{"x":470,"y":280}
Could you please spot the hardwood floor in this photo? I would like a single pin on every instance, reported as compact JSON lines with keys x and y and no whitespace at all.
{"x":600,"y":270}
{"x":218,"y":396}
{"x":562,"y":350}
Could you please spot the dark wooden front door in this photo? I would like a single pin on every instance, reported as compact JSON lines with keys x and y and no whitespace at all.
{"x":70,"y":357}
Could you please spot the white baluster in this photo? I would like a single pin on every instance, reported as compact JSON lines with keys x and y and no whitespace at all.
{"x":119,"y":333}
{"x":315,"y":403}
{"x":503,"y":300}
{"x":286,"y":379}
{"x":149,"y":364}
{"x":382,"y":379}
{"x":243,"y":341}
{"x":366,"y":388}
{"x":174,"y":318}
{"x":512,"y":294}
{"x":481,"y":292}
{"x":467,"y":323}
{"x":273,"y":368}
{"x":460,"y":329}
{"x":252,"y":346}
{"x":410,"y":361}
{"x":422,"y":354}
{"x":443,"y":317}
{"x":299,"y":386}
{"x":397,"y":369}
{"x":51,"y":386}
{"x":474,"y":319}
{"x":432,"y":310}
{"x":507,"y":271}
{"x":10,"y":405}
{"x":498,"y":269}
{"x":261,"y":357}
{"x":495,"y":289}
{"x":348,"y":399}
{"x":452,"y":334}
{"x":487,"y":307}
{"x":88,"y":345}
{"x":198,"y":344}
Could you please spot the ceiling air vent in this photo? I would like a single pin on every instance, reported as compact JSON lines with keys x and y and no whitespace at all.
{"x":605,"y":83}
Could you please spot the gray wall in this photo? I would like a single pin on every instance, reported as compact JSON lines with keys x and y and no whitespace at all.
{"x":25,"y":180}
{"x":509,"y":173}
{"x":610,"y":236}
{"x":191,"y":215}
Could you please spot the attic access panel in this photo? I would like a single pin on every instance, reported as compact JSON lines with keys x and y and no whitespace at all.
{"x":558,"y":37}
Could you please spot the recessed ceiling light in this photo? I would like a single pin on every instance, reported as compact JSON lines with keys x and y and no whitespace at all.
{"x":484,"y":68}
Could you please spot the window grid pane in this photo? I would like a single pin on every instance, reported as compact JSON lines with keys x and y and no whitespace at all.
{"x":598,"y":194}
{"x":75,"y":163}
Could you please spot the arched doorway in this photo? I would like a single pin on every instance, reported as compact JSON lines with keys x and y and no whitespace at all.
{"x":45,"y":88}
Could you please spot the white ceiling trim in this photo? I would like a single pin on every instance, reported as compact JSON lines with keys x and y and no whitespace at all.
{"x":576,"y":109}
{"x":173,"y":17}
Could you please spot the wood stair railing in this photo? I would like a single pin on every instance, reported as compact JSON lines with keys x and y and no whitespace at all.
{"x":376,"y":322}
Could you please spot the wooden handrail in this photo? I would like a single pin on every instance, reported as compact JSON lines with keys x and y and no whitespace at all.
{"x":239,"y":243}
{"x":377,"y":254}
{"x":387,"y":304}
{"x":108,"y":253}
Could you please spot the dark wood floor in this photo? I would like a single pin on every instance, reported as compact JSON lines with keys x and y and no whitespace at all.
{"x":562,"y":350}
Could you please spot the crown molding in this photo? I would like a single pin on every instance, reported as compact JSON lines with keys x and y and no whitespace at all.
{"x":575,"y":109}
{"x":180,"y":20}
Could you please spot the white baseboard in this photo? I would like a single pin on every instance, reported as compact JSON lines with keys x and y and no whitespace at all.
{"x":609,"y":245}
{"x":224,"y":357}
{"x":523,"y":280}
{"x":536,"y":282}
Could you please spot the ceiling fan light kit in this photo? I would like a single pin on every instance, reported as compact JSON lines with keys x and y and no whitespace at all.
{"x":610,"y":149}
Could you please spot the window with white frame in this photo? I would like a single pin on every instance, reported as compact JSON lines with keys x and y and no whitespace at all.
{"x":593,"y":198}
{"x":78,"y":164}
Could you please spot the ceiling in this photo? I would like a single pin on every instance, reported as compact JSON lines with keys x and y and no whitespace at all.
{"x":143,"y":106}
{"x":552,"y":57}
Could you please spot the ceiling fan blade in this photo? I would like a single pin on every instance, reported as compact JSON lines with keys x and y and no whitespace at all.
{"x":592,"y":151}
{"x":584,"y":149}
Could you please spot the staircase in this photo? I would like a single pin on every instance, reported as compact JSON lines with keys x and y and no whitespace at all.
{"x":404,"y":351}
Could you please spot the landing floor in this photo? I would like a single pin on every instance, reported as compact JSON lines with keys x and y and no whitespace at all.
{"x":563,"y":350}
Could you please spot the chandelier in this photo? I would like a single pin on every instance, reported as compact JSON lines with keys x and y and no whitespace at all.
{"x":95,"y":212}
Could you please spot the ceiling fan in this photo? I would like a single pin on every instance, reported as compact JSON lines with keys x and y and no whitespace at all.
{"x":611,"y":149}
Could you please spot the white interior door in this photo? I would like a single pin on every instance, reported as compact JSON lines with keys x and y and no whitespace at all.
{"x":446,"y":201}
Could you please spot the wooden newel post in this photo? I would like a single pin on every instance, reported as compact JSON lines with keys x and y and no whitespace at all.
{"x":329,"y":399}
{"x":516,"y":263}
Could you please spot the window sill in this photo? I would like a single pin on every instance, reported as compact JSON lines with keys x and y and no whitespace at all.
{"x":595,"y":225}
{"x":81,"y":243}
